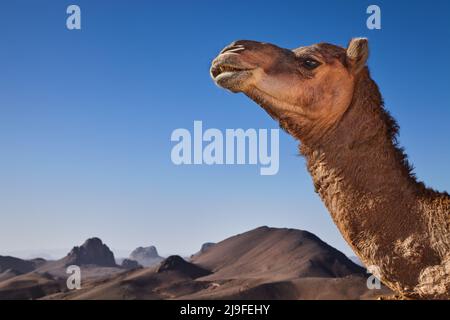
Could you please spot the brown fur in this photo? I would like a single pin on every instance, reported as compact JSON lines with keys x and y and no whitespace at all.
{"x":350,"y":143}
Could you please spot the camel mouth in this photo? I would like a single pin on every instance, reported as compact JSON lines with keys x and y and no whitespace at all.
{"x":229,"y":71}
{"x":230,"y":77}
{"x":226,"y":70}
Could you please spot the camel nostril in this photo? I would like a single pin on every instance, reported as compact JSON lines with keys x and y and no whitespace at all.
{"x":241,"y":45}
{"x":233,"y":48}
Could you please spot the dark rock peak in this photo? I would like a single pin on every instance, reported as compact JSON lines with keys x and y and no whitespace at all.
{"x":147,"y":252}
{"x":206,"y":246}
{"x":92,"y":252}
{"x":130,"y":264}
{"x":178,"y":264}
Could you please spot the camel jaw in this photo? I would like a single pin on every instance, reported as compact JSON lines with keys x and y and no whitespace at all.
{"x":230,"y":72}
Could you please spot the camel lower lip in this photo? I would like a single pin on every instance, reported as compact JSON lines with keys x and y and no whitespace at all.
{"x":229,"y":74}
{"x":232,"y":80}
{"x":225,"y":69}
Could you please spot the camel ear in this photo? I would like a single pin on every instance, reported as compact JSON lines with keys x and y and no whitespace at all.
{"x":357,"y":53}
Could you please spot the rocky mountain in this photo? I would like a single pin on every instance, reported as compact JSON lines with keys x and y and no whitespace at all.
{"x":146,"y":256}
{"x":92,"y":252}
{"x":94,"y":258}
{"x":206,"y":246}
{"x":34,"y":279}
{"x":203,"y":249}
{"x":179,"y":265}
{"x":16,"y":265}
{"x":265,"y":263}
{"x":11,"y":267}
{"x":281,"y":253}
{"x":130,"y":264}
{"x":28,"y":286}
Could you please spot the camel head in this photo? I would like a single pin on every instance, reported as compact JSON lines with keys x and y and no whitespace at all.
{"x":312,"y":85}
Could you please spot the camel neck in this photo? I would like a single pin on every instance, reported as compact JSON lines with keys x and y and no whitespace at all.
{"x":362,"y":176}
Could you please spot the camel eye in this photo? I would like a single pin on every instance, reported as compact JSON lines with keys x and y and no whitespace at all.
{"x":310,"y":64}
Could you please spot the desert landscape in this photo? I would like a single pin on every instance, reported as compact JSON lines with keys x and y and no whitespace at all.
{"x":264,"y":263}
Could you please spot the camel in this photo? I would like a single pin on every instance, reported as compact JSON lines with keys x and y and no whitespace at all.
{"x":324,"y":97}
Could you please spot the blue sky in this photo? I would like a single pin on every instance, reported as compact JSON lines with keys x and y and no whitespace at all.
{"x":86,"y":116}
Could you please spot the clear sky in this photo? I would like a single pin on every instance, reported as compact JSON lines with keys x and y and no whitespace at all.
{"x":86,"y":116}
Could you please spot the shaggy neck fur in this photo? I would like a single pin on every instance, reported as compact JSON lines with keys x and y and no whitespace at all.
{"x":366,"y":183}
